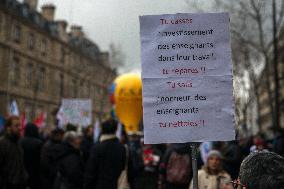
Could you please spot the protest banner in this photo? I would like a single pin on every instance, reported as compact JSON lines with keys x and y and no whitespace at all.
{"x":76,"y":111}
{"x":187,"y":78}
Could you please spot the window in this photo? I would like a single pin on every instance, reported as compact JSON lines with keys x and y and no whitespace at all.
{"x":43,"y":47}
{"x":1,"y":22}
{"x":17,"y":34}
{"x":89,"y":89}
{"x":29,"y":75}
{"x":39,"y":110}
{"x":82,"y":89}
{"x":62,"y":55}
{"x":28,"y":111}
{"x":41,"y":79}
{"x":15,"y":72}
{"x":73,"y":88}
{"x":61,"y":85}
{"x":97,"y":90}
{"x":31,"y":41}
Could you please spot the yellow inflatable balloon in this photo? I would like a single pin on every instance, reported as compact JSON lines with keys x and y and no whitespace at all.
{"x":128,"y":100}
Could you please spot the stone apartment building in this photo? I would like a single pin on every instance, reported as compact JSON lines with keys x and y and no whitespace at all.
{"x":41,"y":63}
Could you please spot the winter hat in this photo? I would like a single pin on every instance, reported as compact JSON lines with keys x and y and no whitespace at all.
{"x":31,"y":130}
{"x":109,"y":126}
{"x":214,"y":153}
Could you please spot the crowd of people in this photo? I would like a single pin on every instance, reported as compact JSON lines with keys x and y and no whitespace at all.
{"x":67,"y":159}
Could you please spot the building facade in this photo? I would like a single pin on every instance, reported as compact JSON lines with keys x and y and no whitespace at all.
{"x":41,"y":63}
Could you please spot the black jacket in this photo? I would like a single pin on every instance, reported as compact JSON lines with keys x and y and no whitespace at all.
{"x":106,"y":162}
{"x":70,"y":167}
{"x":12,"y":171}
{"x":49,"y":160}
{"x":32,"y":149}
{"x":86,"y":147}
{"x":279,"y":145}
{"x":232,"y":159}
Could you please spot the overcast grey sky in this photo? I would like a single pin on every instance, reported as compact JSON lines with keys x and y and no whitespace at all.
{"x":106,"y":21}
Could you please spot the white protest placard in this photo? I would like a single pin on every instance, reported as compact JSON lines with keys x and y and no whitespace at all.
{"x":76,"y":111}
{"x":187,"y":78}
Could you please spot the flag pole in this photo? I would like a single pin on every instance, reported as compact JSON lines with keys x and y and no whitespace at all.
{"x":10,"y":62}
{"x":193,"y":147}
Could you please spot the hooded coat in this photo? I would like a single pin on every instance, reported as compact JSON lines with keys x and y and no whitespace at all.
{"x":86,"y":147}
{"x":32,"y":145}
{"x":70,"y":167}
{"x":48,"y":163}
{"x":12,"y":171}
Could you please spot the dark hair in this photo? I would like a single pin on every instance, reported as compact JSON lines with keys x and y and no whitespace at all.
{"x":57,"y":131}
{"x":262,"y":170}
{"x":86,"y":130}
{"x":71,"y":127}
{"x":31,"y":130}
{"x":109,"y":126}
{"x":10,"y":119}
{"x":56,"y":135}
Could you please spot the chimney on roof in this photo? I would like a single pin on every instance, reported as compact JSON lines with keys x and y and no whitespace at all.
{"x":48,"y":12}
{"x":104,"y":58}
{"x":76,"y":31}
{"x":32,"y":4}
{"x":61,"y":28}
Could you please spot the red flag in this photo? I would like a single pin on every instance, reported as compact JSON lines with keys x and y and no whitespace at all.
{"x":23,"y":123}
{"x":40,"y":120}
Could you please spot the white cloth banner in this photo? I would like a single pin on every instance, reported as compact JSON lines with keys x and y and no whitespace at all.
{"x":60,"y":117}
{"x":97,"y":131}
{"x":13,"y":109}
{"x":187,"y":78}
{"x":76,"y":111}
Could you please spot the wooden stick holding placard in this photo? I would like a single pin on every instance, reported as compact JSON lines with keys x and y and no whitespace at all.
{"x":193,"y":147}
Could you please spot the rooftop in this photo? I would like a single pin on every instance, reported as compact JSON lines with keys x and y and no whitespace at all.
{"x":36,"y":18}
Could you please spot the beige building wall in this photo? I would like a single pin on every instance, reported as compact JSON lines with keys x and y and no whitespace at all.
{"x":38,"y":70}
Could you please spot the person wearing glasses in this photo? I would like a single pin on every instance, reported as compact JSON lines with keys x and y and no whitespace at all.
{"x":261,"y":170}
{"x":212,"y":175}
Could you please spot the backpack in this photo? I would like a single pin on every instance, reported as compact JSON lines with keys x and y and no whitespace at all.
{"x":178,"y":169}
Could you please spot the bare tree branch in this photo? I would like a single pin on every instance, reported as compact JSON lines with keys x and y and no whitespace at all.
{"x":280,"y":19}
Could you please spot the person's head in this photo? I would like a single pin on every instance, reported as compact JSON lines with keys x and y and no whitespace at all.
{"x":214,"y":162}
{"x":89,"y":132}
{"x":263,"y":170}
{"x":57,"y":134}
{"x":259,"y":142}
{"x":218,"y":145}
{"x":277,"y":131}
{"x":72,"y":138}
{"x":109,"y":127}
{"x":12,"y":126}
{"x":31,"y":130}
{"x":71,"y":127}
